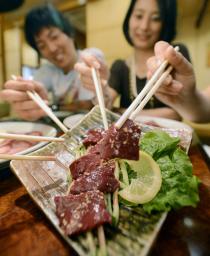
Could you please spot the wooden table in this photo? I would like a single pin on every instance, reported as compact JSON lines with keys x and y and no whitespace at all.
{"x":24,"y":230}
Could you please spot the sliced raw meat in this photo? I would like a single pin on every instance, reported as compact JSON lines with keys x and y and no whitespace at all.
{"x":102,"y":178}
{"x":94,"y":149}
{"x":5,"y":142}
{"x":35,"y":133}
{"x":18,"y":146}
{"x":93,"y":137}
{"x":79,"y":213}
{"x":121,"y":143}
{"x":12,"y":146}
{"x":5,"y":149}
{"x":86,"y":163}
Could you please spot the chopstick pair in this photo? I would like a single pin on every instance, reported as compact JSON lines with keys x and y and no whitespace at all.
{"x":99,"y":93}
{"x":34,"y":96}
{"x":39,"y":101}
{"x":148,"y":91}
{"x":145,"y":95}
{"x":30,"y":138}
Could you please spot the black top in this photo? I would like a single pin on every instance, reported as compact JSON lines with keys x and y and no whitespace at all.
{"x":120,"y":81}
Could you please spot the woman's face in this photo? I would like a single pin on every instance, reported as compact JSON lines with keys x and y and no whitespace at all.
{"x":56,"y":47}
{"x":145,"y":24}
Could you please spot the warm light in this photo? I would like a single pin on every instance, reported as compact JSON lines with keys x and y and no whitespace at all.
{"x":81,"y":2}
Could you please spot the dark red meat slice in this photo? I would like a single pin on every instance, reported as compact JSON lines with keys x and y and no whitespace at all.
{"x":94,"y":149}
{"x":121,"y":143}
{"x":102,"y":178}
{"x":93,"y":137}
{"x":86,"y":163}
{"x":79,"y":213}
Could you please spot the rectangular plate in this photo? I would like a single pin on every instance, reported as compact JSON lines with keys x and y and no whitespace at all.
{"x":44,"y":180}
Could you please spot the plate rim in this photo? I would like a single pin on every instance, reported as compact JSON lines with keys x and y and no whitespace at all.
{"x":151,"y":118}
{"x":36,"y":146}
{"x":68,"y":117}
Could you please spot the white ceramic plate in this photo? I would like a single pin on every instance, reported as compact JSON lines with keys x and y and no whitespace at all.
{"x":71,"y":121}
{"x":62,"y":114}
{"x":44,"y":180}
{"x":24,"y":127}
{"x":163,"y":122}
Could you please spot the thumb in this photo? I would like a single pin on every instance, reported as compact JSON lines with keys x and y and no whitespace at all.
{"x":178,"y":61}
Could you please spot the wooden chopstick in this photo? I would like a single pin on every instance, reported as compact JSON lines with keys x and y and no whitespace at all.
{"x":99,"y":93}
{"x":26,"y":157}
{"x":142,"y":94}
{"x":151,"y":93}
{"x":39,"y":101}
{"x":30,"y":137}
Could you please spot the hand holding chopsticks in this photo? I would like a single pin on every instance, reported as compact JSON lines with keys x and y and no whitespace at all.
{"x":39,"y":101}
{"x":149,"y":90}
{"x":36,"y":98}
{"x":151,"y":93}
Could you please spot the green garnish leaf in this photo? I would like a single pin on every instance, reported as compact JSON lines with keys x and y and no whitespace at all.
{"x":158,"y":143}
{"x":179,"y":186}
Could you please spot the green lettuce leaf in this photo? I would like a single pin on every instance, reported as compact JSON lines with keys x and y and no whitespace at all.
{"x":158,"y":143}
{"x":179,"y":186}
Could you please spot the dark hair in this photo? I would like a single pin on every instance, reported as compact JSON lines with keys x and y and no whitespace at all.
{"x":42,"y":17}
{"x":168,"y":14}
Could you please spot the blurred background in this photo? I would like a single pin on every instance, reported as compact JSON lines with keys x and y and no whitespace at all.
{"x":98,"y":24}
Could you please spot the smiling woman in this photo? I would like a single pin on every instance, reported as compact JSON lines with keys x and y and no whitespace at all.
{"x":145,"y":23}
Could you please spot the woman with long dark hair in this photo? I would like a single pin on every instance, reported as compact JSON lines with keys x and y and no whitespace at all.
{"x":145,"y":23}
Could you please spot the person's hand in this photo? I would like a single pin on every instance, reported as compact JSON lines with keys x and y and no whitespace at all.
{"x":178,"y":86}
{"x":22,"y":105}
{"x":84,"y":69}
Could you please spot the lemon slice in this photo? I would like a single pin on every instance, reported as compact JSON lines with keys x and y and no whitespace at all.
{"x":148,"y":182}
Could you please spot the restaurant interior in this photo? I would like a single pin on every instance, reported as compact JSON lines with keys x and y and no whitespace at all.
{"x":97,"y":23}
{"x":93,"y":27}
